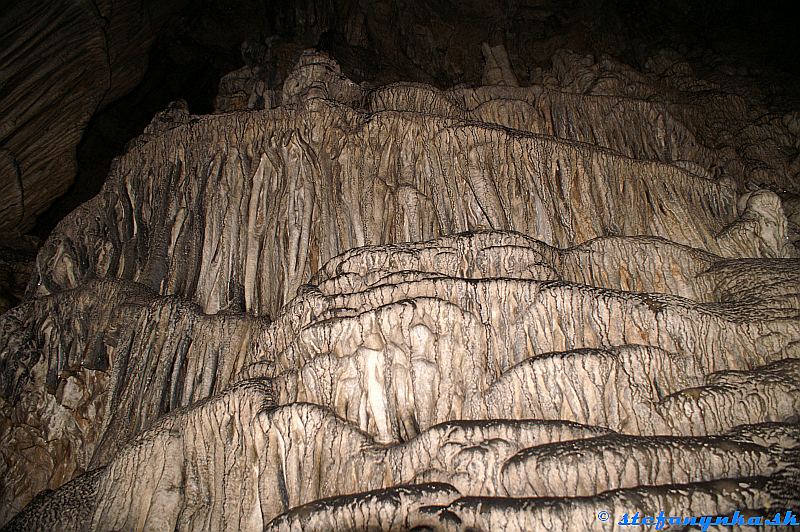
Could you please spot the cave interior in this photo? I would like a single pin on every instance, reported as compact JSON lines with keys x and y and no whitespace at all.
{"x":395,"y":265}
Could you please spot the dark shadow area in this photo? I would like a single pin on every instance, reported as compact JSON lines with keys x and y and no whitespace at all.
{"x":169,"y":77}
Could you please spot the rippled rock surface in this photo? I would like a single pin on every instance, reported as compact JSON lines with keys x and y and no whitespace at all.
{"x":356,"y":307}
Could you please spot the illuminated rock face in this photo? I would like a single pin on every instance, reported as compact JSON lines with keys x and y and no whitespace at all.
{"x":496,"y":308}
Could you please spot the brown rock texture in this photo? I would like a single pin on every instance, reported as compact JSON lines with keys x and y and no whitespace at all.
{"x":61,"y":61}
{"x":338,"y":306}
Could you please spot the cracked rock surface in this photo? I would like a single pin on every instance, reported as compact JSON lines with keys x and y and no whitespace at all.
{"x":354,"y":307}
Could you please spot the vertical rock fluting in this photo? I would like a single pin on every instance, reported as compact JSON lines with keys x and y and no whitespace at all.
{"x":487,"y":308}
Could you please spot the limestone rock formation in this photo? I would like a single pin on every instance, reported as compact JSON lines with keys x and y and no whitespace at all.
{"x":338,"y":306}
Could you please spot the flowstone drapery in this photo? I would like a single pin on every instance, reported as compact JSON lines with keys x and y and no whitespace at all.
{"x":342,"y":306}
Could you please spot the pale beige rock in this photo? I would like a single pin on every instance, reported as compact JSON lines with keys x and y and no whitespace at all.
{"x":497,"y":69}
{"x":263,"y":461}
{"x":762,"y":229}
{"x":393,"y":371}
{"x":406,"y":306}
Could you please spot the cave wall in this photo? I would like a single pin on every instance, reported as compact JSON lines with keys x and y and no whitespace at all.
{"x":62,"y":62}
{"x":342,"y":302}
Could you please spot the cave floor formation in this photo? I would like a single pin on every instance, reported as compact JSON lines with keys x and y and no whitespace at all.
{"x":340,"y":306}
